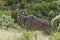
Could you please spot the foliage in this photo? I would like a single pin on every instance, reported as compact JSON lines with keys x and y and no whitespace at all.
{"x":6,"y":20}
{"x":55,"y":36}
{"x":41,"y":8}
{"x":14,"y":16}
{"x":44,"y":9}
{"x":56,"y":23}
{"x":1,"y":8}
{"x":10,"y":2}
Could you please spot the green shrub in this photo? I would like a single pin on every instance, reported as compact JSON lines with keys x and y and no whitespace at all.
{"x":55,"y":36}
{"x":10,"y":2}
{"x":14,"y":16}
{"x":6,"y":20}
{"x":55,"y":22}
{"x":1,"y":8}
{"x":39,"y":8}
{"x":43,"y":9}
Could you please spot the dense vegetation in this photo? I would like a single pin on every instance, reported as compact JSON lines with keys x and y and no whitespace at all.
{"x":45,"y":9}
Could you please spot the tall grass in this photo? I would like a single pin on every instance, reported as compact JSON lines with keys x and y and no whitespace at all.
{"x":55,"y":36}
{"x":15,"y":35}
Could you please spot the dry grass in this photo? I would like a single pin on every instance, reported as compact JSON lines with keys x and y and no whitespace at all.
{"x":10,"y":35}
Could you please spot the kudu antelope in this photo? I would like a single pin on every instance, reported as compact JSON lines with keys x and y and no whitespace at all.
{"x":33,"y":23}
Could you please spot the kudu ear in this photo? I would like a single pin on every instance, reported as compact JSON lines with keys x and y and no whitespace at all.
{"x":19,"y":10}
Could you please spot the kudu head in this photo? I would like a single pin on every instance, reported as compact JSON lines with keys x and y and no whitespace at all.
{"x":20,"y":11}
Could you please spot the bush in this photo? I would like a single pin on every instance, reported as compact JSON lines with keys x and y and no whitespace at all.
{"x":14,"y":16}
{"x":10,"y":2}
{"x":6,"y":20}
{"x":55,"y":22}
{"x":55,"y":36}
{"x":39,"y":8}
{"x":43,"y":9}
{"x":1,"y":8}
